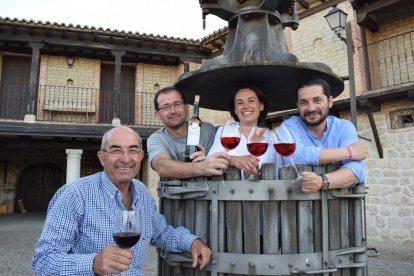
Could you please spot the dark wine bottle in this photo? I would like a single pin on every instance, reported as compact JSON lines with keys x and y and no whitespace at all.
{"x":193,"y":133}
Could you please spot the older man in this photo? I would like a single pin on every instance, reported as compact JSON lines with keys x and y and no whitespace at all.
{"x":77,"y":234}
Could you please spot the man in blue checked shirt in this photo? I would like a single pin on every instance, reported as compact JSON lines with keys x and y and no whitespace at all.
{"x":322,"y":139}
{"x":77,"y":234}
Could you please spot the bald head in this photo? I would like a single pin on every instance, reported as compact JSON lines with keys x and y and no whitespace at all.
{"x":120,"y":129}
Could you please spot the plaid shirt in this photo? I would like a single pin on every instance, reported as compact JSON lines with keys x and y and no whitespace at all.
{"x":79,"y":224}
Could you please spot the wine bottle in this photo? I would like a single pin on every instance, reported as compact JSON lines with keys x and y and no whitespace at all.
{"x":193,"y":133}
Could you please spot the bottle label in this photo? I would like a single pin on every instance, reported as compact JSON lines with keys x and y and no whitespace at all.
{"x":193,"y":137}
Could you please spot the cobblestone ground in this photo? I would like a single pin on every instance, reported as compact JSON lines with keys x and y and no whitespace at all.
{"x":19,"y":233}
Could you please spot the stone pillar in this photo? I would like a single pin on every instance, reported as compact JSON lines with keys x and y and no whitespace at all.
{"x":73,"y":165}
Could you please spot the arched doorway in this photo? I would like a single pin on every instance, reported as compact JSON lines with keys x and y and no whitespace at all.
{"x":37,"y":184}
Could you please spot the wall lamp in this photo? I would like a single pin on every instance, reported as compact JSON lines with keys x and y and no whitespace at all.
{"x":70,"y":61}
{"x":336,"y":19}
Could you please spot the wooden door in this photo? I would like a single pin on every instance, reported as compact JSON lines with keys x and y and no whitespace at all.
{"x":14,"y":87}
{"x":37,"y":185}
{"x":126,"y":98}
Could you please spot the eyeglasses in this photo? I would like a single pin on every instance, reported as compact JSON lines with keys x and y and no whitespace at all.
{"x":116,"y":152}
{"x":168,"y":107}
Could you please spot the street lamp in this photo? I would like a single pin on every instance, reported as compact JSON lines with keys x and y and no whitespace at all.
{"x":70,"y":61}
{"x":336,"y":19}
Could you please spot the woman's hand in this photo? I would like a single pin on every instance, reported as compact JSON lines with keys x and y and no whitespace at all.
{"x":248,"y":164}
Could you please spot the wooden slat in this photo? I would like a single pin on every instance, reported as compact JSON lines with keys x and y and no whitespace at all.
{"x":221,"y":243}
{"x":305,"y":221}
{"x":289,"y":239}
{"x":202,"y":225}
{"x":271,"y":216}
{"x":344,"y":209}
{"x":334,"y":221}
{"x":234,"y":219}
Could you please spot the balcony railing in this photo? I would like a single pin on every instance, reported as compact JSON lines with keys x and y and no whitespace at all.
{"x":78,"y":105}
{"x":391,"y":61}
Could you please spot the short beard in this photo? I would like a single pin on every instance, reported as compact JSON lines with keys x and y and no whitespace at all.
{"x":317,"y":123}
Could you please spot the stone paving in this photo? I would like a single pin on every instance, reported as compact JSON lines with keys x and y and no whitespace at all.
{"x":19,"y":234}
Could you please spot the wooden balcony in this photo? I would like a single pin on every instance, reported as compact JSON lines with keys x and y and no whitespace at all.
{"x":78,"y":105}
{"x":390,"y":61}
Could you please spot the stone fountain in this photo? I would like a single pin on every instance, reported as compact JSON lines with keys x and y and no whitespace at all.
{"x":255,"y":54}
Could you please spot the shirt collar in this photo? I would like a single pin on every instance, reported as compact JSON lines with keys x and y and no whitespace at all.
{"x":113,"y":191}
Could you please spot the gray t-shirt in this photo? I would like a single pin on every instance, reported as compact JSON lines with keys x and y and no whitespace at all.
{"x":161,"y":142}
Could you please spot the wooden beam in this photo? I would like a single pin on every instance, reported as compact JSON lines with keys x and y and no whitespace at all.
{"x":318,"y":8}
{"x":375,"y":5}
{"x":375,"y":132}
{"x":102,"y":46}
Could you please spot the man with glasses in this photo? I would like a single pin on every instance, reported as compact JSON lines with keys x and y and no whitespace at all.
{"x":77,"y":234}
{"x":166,"y":146}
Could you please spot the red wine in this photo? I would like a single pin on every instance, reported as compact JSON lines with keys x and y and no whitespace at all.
{"x":257,"y":149}
{"x":126,"y":239}
{"x":230,"y":143}
{"x":285,"y":149}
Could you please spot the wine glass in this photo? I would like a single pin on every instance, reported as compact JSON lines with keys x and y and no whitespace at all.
{"x":257,"y":143}
{"x":127,"y":229}
{"x":285,"y":145}
{"x":230,"y":135}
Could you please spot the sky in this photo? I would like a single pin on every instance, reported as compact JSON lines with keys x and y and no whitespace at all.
{"x":176,"y":18}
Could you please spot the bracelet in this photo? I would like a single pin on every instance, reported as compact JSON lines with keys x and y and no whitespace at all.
{"x":348,"y":148}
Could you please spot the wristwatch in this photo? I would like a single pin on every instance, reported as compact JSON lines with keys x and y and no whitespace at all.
{"x":325,"y":182}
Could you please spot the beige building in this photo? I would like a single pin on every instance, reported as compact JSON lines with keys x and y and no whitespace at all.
{"x":383,"y":42}
{"x":63,"y":86}
{"x":49,"y":104}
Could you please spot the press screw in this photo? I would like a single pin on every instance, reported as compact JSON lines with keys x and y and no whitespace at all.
{"x":251,"y":191}
{"x":233,"y":264}
{"x":289,"y":190}
{"x":232,"y":191}
{"x":270,"y":190}
{"x":251,"y":263}
{"x":271,"y":266}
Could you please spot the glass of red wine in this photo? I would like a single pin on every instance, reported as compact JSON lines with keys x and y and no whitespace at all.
{"x":230,"y":135}
{"x":127,"y":229}
{"x":285,"y":145}
{"x":257,"y":143}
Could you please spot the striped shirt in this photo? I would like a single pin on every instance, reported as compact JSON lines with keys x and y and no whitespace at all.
{"x":79,"y":224}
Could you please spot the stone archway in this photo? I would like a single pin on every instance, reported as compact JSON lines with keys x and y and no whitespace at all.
{"x":37,"y":184}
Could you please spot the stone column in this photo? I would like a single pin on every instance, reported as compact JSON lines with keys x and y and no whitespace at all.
{"x":73,"y":165}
